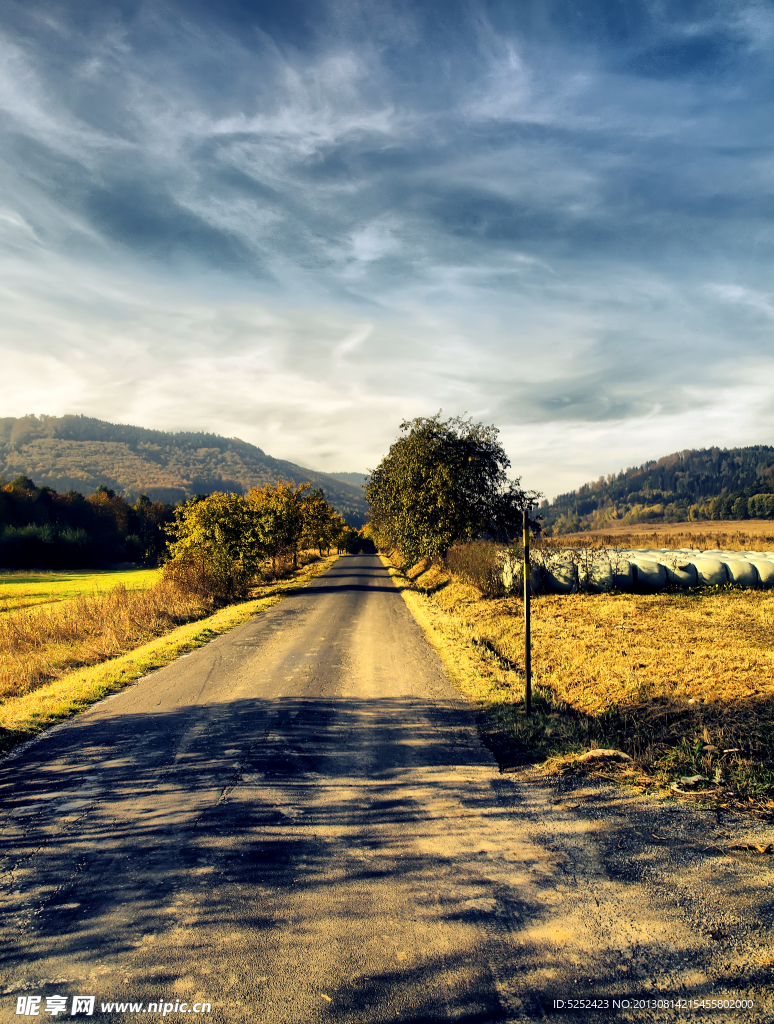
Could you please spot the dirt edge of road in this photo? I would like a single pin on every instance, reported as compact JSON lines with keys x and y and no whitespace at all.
{"x":24,"y":719}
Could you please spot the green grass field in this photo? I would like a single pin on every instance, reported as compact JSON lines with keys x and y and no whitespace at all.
{"x":30,"y":589}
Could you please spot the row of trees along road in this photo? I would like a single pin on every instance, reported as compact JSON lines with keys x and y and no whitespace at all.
{"x":441,"y":482}
{"x":221,"y":543}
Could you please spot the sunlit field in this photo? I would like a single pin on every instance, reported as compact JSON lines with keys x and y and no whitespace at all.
{"x":28,"y":589}
{"x":683,"y":682}
{"x":728,"y":535}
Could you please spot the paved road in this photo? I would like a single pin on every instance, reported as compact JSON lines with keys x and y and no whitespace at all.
{"x":298,"y":823}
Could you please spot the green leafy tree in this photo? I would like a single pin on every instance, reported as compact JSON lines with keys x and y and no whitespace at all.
{"x":278,"y":513}
{"x":323,"y":526}
{"x":216,"y":547}
{"x":444,"y":481}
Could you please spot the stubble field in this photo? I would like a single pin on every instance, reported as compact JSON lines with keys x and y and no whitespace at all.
{"x":682,"y":682}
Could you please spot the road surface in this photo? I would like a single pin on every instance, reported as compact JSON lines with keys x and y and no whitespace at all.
{"x":298,"y":823}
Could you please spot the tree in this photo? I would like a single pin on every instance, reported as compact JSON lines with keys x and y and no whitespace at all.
{"x":323,"y":526}
{"x":444,"y":481}
{"x":216,"y":547}
{"x":279,"y":519}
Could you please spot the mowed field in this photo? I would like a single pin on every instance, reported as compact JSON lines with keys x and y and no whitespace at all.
{"x":28,"y":589}
{"x":682,"y":682}
{"x":731,"y":535}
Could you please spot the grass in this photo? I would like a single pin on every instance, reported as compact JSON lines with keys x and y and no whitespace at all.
{"x":753,"y":535}
{"x":41,"y":643}
{"x":662,"y":677}
{"x":68,"y":690}
{"x":27,"y":589}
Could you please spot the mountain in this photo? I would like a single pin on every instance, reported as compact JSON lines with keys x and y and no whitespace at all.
{"x":706,"y":483}
{"x":80,"y":453}
{"x":355,"y":479}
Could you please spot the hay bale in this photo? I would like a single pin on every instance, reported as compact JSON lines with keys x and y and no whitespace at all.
{"x":600,"y":579}
{"x":765,"y":570}
{"x":741,"y":572}
{"x":623,"y":576}
{"x":512,"y":575}
{"x":711,"y":572}
{"x":681,"y":573}
{"x":649,"y":575}
{"x":561,"y":578}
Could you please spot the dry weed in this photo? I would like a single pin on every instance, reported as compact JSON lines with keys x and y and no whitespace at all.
{"x":37,"y":645}
{"x":704,"y":537}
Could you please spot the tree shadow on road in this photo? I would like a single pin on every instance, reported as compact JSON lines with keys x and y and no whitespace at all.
{"x":320,"y":855}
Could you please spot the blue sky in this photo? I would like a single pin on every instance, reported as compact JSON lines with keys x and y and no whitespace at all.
{"x":299,"y":223}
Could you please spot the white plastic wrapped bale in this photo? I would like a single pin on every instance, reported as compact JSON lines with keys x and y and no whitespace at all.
{"x":623,"y":577}
{"x":561,"y":578}
{"x":711,"y":572}
{"x":512,"y":575}
{"x":649,"y":575}
{"x":600,"y":578}
{"x":535,"y":578}
{"x":765,"y":570}
{"x":680,"y":573}
{"x":741,"y":572}
{"x":510,"y":571}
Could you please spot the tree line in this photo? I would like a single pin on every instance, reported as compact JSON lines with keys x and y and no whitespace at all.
{"x":221,"y":543}
{"x":693,"y":485}
{"x":41,"y":527}
{"x":222,"y":539}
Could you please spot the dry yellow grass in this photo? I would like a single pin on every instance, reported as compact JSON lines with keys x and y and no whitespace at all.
{"x":40,"y":644}
{"x":733,"y":535}
{"x":660,"y":676}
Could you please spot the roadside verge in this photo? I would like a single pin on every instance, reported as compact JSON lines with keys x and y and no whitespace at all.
{"x":22,"y":718}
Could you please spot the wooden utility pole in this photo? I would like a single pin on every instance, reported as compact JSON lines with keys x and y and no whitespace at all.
{"x":527,"y":636}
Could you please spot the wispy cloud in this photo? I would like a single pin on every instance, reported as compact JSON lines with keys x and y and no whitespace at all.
{"x":317,"y":219}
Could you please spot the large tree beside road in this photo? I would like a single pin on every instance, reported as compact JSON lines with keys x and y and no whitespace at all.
{"x":443,"y":481}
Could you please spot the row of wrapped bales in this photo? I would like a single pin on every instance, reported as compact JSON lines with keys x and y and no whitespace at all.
{"x":649,"y":570}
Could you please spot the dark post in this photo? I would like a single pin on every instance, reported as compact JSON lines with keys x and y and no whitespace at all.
{"x":527,"y":637}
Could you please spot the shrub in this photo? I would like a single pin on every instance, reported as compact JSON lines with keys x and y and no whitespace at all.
{"x":209,"y":574}
{"x":480,"y":563}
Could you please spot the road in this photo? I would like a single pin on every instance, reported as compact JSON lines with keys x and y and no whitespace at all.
{"x":298,"y":823}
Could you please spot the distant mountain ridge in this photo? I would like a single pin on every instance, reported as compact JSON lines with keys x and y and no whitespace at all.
{"x":695,"y":483}
{"x":81,"y":453}
{"x":355,"y":479}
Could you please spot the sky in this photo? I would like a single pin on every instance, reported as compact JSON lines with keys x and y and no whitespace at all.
{"x":301,"y":223}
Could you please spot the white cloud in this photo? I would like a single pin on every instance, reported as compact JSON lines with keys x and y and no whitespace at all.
{"x":514,"y":230}
{"x":738,"y":295}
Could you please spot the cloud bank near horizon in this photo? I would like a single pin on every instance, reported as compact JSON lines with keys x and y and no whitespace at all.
{"x":301,"y":224}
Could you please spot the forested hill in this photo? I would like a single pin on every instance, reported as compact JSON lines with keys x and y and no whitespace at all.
{"x":702,"y":484}
{"x":80,"y":453}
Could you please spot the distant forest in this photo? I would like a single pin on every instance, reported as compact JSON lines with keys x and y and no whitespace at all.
{"x":709,"y":483}
{"x":40,"y":527}
{"x":79,"y":453}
